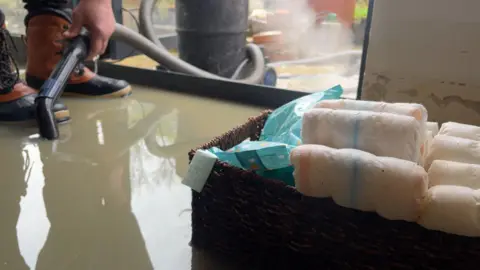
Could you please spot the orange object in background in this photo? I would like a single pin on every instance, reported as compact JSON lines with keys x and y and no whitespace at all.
{"x":345,"y":9}
{"x":268,"y":37}
{"x":273,"y":45}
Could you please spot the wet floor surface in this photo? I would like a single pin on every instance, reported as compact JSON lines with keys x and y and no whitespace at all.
{"x":107,"y":195}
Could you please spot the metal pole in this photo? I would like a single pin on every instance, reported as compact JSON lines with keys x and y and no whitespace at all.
{"x":366,"y":41}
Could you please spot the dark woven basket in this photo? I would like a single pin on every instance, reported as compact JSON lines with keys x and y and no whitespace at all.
{"x":239,"y":213}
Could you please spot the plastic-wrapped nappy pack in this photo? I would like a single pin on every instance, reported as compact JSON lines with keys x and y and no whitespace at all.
{"x":433,"y":127}
{"x":417,"y":111}
{"x":452,"y":209}
{"x":460,"y":130}
{"x":453,"y":149}
{"x":443,"y":172}
{"x":426,"y":146}
{"x":372,"y":132}
{"x":392,"y":187}
{"x":365,"y":156}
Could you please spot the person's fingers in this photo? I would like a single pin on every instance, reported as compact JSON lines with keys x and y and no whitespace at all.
{"x":104,"y":48}
{"x":96,"y":46}
{"x":75,"y":28}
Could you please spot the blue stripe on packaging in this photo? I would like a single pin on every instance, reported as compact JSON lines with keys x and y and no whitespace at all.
{"x":354,"y":183}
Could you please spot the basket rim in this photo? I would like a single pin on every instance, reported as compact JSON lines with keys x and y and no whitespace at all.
{"x":262,"y":117}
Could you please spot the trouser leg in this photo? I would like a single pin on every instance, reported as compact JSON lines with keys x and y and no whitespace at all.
{"x":56,"y":7}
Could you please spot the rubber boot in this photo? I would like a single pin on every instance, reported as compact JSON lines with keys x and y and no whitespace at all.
{"x":45,"y":44}
{"x":17,"y":100}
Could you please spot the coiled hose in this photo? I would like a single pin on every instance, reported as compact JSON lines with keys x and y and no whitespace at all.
{"x":149,"y":44}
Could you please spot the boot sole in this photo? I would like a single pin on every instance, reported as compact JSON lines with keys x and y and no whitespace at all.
{"x":125,"y":92}
{"x":62,"y":116}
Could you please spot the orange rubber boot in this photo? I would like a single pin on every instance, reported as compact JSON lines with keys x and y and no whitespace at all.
{"x":45,"y":45}
{"x":17,"y":100}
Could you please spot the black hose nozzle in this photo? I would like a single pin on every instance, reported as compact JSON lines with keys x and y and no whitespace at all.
{"x":47,"y":123}
{"x":75,"y":52}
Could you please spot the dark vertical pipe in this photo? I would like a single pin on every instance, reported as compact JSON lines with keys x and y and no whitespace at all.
{"x":212,"y":34}
{"x":366,"y":41}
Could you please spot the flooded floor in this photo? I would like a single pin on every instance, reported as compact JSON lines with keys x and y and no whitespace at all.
{"x":107,"y":195}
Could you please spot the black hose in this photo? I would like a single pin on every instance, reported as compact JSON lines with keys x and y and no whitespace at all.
{"x":254,"y":54}
{"x":47,"y":123}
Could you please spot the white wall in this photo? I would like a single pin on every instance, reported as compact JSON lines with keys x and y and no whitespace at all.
{"x":426,"y":51}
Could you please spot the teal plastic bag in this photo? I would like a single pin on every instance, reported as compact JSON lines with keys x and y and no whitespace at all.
{"x":256,"y":155}
{"x":270,"y":155}
{"x":284,"y":124}
{"x":284,"y":174}
{"x":268,"y":159}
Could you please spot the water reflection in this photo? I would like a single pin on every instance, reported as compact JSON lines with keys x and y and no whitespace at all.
{"x":99,"y":186}
{"x":88,"y":193}
{"x":107,"y":195}
{"x":12,"y":188}
{"x":33,"y":224}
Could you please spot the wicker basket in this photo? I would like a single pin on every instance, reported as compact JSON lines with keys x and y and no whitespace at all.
{"x":239,"y":213}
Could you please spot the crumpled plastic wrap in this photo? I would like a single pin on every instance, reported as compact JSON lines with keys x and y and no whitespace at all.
{"x":269,"y":159}
{"x":269,"y":156}
{"x":285,"y":123}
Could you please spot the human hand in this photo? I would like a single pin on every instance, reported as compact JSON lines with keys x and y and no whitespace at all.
{"x":97,"y":17}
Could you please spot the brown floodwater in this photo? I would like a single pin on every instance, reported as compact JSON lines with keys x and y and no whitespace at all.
{"x":108,"y":193}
